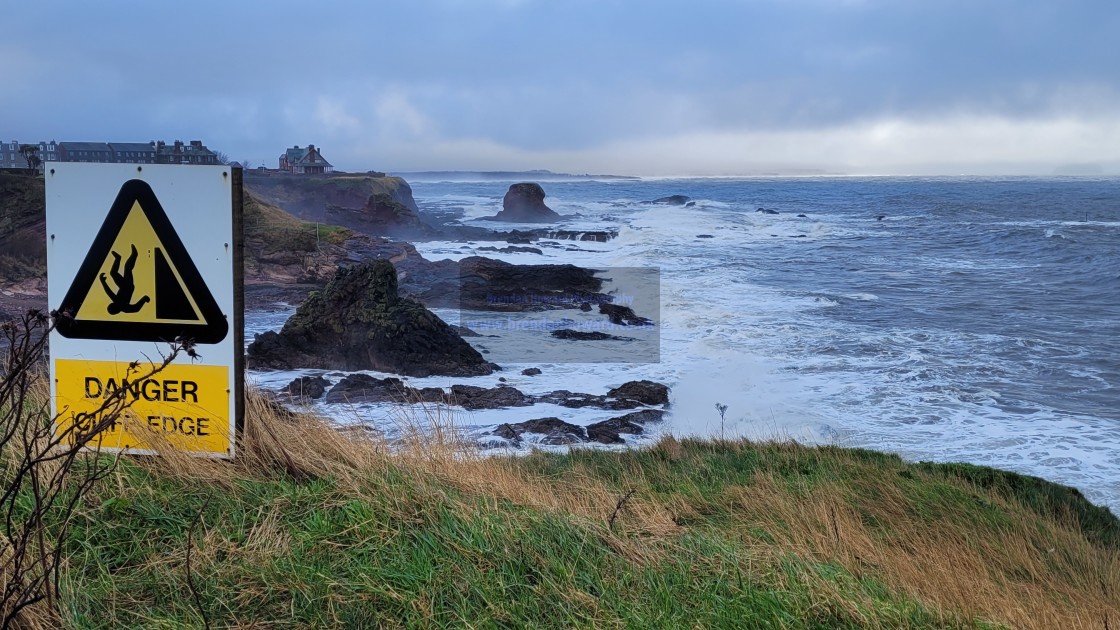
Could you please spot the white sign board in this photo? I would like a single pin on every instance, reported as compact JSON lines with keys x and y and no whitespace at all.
{"x":138,"y":257}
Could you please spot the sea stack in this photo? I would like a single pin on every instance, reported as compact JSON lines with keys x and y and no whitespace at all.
{"x":359,"y":322}
{"x":524,"y":203}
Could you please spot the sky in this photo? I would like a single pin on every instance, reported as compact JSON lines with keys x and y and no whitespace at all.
{"x":642,"y":87}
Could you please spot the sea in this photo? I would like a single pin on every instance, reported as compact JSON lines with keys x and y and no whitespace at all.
{"x":955,"y":319}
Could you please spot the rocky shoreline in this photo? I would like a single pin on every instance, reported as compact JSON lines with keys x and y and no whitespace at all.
{"x":363,"y":298}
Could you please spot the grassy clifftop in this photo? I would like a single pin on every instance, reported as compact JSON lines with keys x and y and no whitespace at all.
{"x":311,"y":528}
{"x":308,"y":196}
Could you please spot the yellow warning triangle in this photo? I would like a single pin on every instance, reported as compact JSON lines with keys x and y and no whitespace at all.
{"x":137,"y":282}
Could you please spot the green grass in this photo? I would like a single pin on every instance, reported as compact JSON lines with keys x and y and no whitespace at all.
{"x":413,"y":555}
{"x":728,"y":534}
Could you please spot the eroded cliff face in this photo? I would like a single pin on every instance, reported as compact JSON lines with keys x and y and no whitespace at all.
{"x":375,"y":205}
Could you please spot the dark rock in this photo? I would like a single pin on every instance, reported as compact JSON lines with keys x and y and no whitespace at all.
{"x":363,"y":388}
{"x":555,"y":431}
{"x":690,"y":204}
{"x":474,"y":397}
{"x":524,"y":203}
{"x":673,"y":200}
{"x":511,"y":250}
{"x":880,"y":217}
{"x":598,"y":236}
{"x":623,"y":315}
{"x":767,"y":211}
{"x":603,"y":433}
{"x":645,"y":392}
{"x":507,"y":431}
{"x":464,"y":331}
{"x":571,"y":400}
{"x":517,"y":237}
{"x":531,"y":371}
{"x":576,"y":400}
{"x":312,"y":387}
{"x":358,"y":322}
{"x":429,"y":395}
{"x":577,"y":335}
{"x":585,"y":307}
{"x":563,"y":438}
{"x":798,"y":236}
{"x":802,"y":216}
{"x":610,"y":431}
{"x":486,"y":284}
{"x":642,"y":417}
{"x":501,"y":379}
{"x":704,"y":236}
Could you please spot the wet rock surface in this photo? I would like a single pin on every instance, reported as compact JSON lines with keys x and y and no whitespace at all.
{"x":474,"y":397}
{"x":307,"y":387}
{"x":623,"y":315}
{"x":672,"y":200}
{"x":591,"y":335}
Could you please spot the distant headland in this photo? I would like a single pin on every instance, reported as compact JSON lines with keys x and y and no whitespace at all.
{"x":539,"y":175}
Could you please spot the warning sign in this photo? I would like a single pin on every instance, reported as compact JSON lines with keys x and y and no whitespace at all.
{"x":183,"y":406}
{"x":138,"y":282}
{"x":139,"y":259}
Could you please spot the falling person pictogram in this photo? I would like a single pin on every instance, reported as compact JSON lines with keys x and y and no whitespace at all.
{"x":121,"y":299}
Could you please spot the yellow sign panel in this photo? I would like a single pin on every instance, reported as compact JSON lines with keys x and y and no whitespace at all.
{"x":135,"y":274}
{"x":184,"y":407}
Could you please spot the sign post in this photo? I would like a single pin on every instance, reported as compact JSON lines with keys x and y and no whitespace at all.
{"x":140,"y":257}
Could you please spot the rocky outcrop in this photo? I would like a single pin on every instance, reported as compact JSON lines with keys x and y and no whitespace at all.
{"x":598,"y":236}
{"x":611,"y":431}
{"x":358,"y":322}
{"x":380,"y":215}
{"x":512,"y":249}
{"x":630,"y":395}
{"x":623,"y":315}
{"x":473,"y":397}
{"x":362,"y":388}
{"x":591,"y":335}
{"x":495,"y":285}
{"x":531,"y":371}
{"x":672,"y":200}
{"x":556,"y":432}
{"x":524,"y":203}
{"x":644,"y":392}
{"x":307,"y":387}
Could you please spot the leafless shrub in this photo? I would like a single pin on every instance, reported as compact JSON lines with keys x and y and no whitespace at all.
{"x":46,"y":469}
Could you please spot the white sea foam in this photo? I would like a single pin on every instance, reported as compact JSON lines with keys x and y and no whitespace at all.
{"x":783,"y":360}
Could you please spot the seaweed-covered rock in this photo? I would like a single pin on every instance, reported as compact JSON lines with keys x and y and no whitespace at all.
{"x":358,"y":322}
